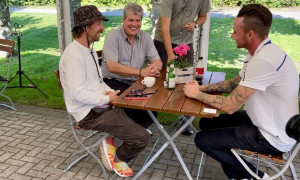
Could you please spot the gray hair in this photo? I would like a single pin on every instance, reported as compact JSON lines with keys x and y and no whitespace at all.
{"x":133,"y":7}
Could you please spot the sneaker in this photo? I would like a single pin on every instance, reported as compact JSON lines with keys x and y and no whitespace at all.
{"x":122,"y":169}
{"x":108,"y":151}
{"x":265,"y":176}
{"x":187,"y":131}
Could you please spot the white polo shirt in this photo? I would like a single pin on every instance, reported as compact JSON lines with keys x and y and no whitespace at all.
{"x":273,"y":74}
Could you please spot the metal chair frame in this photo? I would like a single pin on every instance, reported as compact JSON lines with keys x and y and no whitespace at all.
{"x":7,"y":46}
{"x":289,"y":157}
{"x":94,"y":138}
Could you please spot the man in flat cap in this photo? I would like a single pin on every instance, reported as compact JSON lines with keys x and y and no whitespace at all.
{"x":88,"y":98}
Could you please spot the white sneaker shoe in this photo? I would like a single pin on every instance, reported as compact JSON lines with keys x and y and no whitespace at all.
{"x":265,"y":176}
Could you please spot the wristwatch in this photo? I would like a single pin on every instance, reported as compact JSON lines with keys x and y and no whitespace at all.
{"x":196,"y":24}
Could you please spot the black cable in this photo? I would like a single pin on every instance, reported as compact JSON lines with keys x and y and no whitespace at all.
{"x":87,"y":38}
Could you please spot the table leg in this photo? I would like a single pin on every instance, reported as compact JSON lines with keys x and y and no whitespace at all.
{"x":169,"y":141}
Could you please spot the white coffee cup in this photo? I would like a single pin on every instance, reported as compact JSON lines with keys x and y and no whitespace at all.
{"x":148,"y":81}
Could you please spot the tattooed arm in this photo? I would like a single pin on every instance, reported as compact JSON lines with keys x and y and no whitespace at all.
{"x":229,"y":104}
{"x":222,"y":87}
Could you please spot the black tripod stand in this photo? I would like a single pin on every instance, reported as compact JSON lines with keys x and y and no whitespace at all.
{"x":20,"y":72}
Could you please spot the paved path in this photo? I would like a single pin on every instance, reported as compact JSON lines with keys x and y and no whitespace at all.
{"x":35,"y":142}
{"x":278,"y":14}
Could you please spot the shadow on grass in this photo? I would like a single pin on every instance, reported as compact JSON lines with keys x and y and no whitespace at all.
{"x":222,"y":48}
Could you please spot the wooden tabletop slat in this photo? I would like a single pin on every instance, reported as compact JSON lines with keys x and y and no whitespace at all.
{"x":191,"y":107}
{"x":175,"y":101}
{"x":158,"y":100}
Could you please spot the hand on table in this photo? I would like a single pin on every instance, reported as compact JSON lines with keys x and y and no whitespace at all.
{"x":191,"y":89}
{"x":112,"y":95}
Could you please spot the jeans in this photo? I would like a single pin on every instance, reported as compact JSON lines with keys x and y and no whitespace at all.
{"x":160,"y":47}
{"x":220,"y":134}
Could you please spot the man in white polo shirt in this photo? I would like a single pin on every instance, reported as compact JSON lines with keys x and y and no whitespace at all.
{"x":268,"y":87}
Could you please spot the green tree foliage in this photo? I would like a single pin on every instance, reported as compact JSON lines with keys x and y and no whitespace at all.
{"x":268,"y":3}
{"x":111,"y":3}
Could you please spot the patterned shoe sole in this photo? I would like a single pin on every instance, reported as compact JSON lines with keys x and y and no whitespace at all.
{"x":105,"y":161}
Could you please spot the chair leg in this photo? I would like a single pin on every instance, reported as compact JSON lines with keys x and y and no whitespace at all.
{"x":293,"y":172}
{"x":244,"y":164}
{"x":275,"y":169}
{"x":70,"y":163}
{"x":84,"y":148}
{"x":200,"y":164}
{"x":8,"y":106}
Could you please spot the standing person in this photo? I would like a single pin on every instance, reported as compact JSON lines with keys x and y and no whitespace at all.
{"x":125,"y":52}
{"x":88,"y":98}
{"x":268,"y":86}
{"x":176,"y":25}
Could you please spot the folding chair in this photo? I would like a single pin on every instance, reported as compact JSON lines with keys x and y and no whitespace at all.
{"x":6,"y":46}
{"x":285,"y":160}
{"x":87,"y":139}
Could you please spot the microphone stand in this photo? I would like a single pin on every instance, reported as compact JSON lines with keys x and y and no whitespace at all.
{"x":20,"y":72}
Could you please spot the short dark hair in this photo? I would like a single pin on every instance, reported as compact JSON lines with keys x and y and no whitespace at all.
{"x":257,"y":18}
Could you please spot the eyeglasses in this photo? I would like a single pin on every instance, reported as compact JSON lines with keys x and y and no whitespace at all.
{"x":140,"y":92}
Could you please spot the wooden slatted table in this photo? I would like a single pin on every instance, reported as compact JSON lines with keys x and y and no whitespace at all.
{"x":169,"y":101}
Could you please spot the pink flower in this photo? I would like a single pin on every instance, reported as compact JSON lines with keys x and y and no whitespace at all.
{"x":182,"y":49}
{"x":183,"y":52}
{"x":184,"y":46}
{"x":176,"y":50}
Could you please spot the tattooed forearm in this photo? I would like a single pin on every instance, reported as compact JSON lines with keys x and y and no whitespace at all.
{"x":223,"y":87}
{"x":229,"y":104}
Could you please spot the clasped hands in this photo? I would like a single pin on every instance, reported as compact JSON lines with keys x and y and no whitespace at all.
{"x":151,"y":70}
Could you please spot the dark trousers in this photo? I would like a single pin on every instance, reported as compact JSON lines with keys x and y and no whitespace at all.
{"x":140,"y":116}
{"x":115,"y":122}
{"x":220,"y":134}
{"x":160,"y":47}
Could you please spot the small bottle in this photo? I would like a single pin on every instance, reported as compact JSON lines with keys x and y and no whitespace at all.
{"x":171,"y":77}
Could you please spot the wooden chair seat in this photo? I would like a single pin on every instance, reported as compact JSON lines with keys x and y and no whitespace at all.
{"x":275,"y":158}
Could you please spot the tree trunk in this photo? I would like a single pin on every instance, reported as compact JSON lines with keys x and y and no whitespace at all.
{"x":65,"y":21}
{"x":155,"y":14}
{"x":5,"y":24}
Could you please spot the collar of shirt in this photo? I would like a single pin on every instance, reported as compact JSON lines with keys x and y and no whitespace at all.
{"x":264,"y":42}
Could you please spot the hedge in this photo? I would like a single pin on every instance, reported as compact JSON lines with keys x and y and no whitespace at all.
{"x":111,"y":3}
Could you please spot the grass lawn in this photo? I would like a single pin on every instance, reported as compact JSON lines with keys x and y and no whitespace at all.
{"x":40,"y":54}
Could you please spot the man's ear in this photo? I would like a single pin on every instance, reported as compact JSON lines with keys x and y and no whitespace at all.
{"x":251,"y":33}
